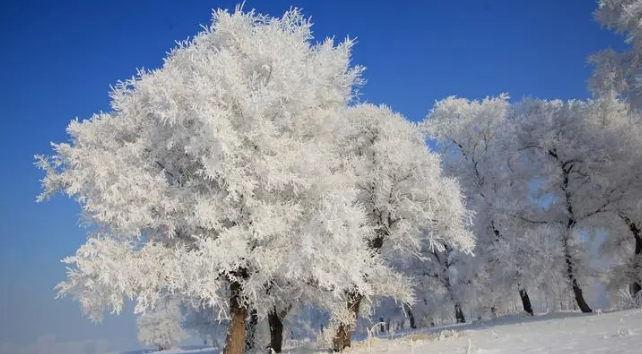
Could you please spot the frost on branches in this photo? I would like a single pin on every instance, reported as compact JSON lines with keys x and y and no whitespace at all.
{"x":618,"y":73}
{"x":474,"y":138}
{"x":410,"y":205}
{"x":582,"y":157}
{"x":623,"y":222}
{"x":217,"y":174}
{"x":582,"y":148}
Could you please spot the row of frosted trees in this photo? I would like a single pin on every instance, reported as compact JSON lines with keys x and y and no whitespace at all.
{"x":242,"y":185}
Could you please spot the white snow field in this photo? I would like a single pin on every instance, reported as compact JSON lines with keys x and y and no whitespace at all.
{"x":567,"y":333}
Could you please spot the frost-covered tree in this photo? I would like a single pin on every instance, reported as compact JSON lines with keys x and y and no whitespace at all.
{"x":579,"y":152}
{"x":474,"y":136}
{"x":619,"y":73}
{"x":161,"y":327}
{"x":445,"y":277}
{"x":409,"y":204}
{"x":623,"y":224}
{"x":217,"y":174}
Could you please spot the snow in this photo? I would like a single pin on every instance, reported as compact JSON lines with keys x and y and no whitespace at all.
{"x":567,"y":333}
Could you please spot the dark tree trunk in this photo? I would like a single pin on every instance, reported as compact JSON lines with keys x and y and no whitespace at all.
{"x":636,"y":286}
{"x":250,"y":330}
{"x":343,"y":337}
{"x":276,"y":331}
{"x":411,"y":317}
{"x":526,"y":302}
{"x":572,"y":221}
{"x":235,"y":340}
{"x":459,"y":314}
{"x":577,"y":290}
{"x":579,"y":298}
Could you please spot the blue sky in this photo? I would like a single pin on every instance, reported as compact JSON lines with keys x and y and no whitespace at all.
{"x":59,"y":58}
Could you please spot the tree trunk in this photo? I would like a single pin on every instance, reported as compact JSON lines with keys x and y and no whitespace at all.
{"x":636,"y":286}
{"x":251,"y":330}
{"x":567,"y":167}
{"x":526,"y":301}
{"x":343,"y":337}
{"x":579,"y":298}
{"x":459,"y":314}
{"x":275,"y":321}
{"x":577,"y":291}
{"x":235,"y":340}
{"x":411,"y":317}
{"x":276,"y":331}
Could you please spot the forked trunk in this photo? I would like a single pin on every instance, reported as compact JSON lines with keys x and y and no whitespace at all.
{"x":459,"y":314}
{"x":526,"y":302}
{"x":235,"y":340}
{"x":343,"y":337}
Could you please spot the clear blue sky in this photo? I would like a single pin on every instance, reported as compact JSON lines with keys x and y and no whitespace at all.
{"x":58,"y":59}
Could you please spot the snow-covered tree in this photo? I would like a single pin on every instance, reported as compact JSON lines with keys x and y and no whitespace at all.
{"x":161,"y":327}
{"x":217,"y":174}
{"x":619,"y":73}
{"x":579,"y":151}
{"x":409,"y":204}
{"x":445,"y":277}
{"x":624,"y":245}
{"x":474,"y":136}
{"x":623,"y":222}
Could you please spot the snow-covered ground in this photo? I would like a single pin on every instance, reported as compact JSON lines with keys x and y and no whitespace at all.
{"x":567,"y":333}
